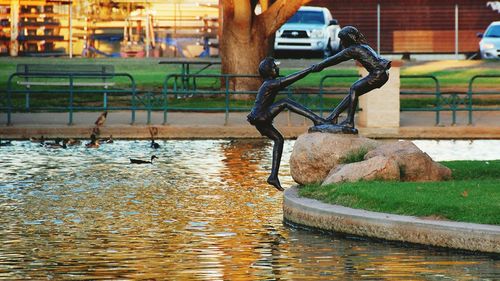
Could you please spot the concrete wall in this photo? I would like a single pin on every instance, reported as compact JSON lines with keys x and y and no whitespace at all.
{"x":380,"y":107}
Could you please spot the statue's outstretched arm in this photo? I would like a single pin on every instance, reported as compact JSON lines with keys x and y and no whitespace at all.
{"x":333,"y":60}
{"x":288,"y":80}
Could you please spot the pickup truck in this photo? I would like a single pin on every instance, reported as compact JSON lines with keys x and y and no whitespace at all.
{"x":312,"y":30}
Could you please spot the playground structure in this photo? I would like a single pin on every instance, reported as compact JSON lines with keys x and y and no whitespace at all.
{"x":109,"y":28}
{"x":132,"y":45}
{"x":34,"y":27}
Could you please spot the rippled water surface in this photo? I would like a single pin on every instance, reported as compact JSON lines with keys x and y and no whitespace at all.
{"x":201,"y":212}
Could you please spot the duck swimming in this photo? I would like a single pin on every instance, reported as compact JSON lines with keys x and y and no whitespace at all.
{"x":153,"y":131}
{"x":37,"y":140}
{"x":56,"y":144}
{"x":93,"y":142}
{"x":139,"y":161}
{"x":6,"y":143}
{"x":154,"y":144}
{"x":108,"y":140}
{"x":73,"y":142}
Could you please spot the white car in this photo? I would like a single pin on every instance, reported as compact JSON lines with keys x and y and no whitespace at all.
{"x":489,"y":46}
{"x":311,"y":29}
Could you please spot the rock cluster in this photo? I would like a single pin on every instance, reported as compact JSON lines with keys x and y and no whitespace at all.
{"x":317,"y":157}
{"x":314,"y":155}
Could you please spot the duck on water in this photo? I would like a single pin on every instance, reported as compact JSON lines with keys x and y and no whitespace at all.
{"x":5,"y":143}
{"x":139,"y":161}
{"x":94,"y":143}
{"x":55,"y":144}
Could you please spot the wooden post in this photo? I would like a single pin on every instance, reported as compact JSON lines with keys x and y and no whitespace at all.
{"x":378,"y":28}
{"x":456,"y":31}
{"x":148,"y":41}
{"x":14,"y":27}
{"x":70,"y":31}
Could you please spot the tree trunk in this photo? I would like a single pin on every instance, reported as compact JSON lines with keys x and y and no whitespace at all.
{"x":247,"y":38}
{"x":241,"y":53}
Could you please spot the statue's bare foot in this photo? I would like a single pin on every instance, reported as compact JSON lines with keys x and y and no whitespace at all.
{"x":349,"y":130}
{"x":274,"y":181}
{"x":348,"y":127}
{"x":346,"y":123}
{"x":321,"y":121}
{"x":333,"y":120}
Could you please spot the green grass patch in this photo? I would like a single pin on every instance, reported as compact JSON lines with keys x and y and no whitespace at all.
{"x":452,"y":78}
{"x":149,"y":74}
{"x":472,"y":196}
{"x":353,"y":156}
{"x":431,"y":102}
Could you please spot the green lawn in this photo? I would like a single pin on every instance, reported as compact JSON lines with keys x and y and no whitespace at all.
{"x":472,"y":196}
{"x":149,"y":75}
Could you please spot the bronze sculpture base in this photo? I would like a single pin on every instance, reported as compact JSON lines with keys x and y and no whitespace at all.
{"x":333,"y":129}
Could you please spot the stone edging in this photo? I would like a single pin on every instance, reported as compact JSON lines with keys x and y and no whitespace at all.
{"x":141,"y":131}
{"x":457,"y":235}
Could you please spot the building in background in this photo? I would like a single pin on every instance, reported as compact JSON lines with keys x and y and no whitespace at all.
{"x":189,"y":28}
{"x":109,"y":28}
{"x":417,"y":26}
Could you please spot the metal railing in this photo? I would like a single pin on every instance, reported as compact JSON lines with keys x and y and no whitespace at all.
{"x":68,"y":84}
{"x":451,"y":101}
{"x":179,"y":87}
{"x":471,"y":93}
{"x":186,"y":85}
{"x":436,"y":93}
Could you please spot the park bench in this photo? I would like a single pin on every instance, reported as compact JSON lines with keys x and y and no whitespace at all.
{"x":65,"y":75}
{"x":45,"y":72}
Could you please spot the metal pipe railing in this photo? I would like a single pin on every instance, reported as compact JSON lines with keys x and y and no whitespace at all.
{"x":437,"y":94}
{"x":71,"y":89}
{"x":470,"y":93}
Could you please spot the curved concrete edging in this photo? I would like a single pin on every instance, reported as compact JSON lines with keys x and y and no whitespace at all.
{"x":466,"y":236}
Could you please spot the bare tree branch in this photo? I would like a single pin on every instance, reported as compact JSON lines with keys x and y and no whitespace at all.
{"x":227,"y":8}
{"x":279,"y":13}
{"x":242,"y":12}
{"x":264,"y":4}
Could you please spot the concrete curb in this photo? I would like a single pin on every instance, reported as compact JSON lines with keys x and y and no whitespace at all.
{"x":457,"y":235}
{"x":142,"y":131}
{"x":236,"y":131}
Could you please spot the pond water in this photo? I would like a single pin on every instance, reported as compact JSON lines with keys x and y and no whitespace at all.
{"x":448,"y":150}
{"x":201,"y":212}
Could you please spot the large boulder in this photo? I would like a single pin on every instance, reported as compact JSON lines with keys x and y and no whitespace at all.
{"x":314,"y":155}
{"x":376,"y":168}
{"x":414,"y":164}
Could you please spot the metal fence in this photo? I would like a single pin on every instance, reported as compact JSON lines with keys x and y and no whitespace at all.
{"x":179,"y":93}
{"x":453,"y":102}
{"x":471,"y":93}
{"x":70,"y":86}
{"x":435,"y":93}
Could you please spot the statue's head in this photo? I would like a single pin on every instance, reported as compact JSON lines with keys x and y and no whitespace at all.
{"x":268,"y":68}
{"x":350,"y":35}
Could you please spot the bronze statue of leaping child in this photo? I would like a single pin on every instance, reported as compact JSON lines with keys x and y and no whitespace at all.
{"x":265,"y":109}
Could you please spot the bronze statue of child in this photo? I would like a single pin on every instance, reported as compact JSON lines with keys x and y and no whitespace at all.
{"x":356,"y":47}
{"x":265,"y":109}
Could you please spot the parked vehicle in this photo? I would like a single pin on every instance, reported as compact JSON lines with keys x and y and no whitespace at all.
{"x":489,"y":46}
{"x":311,"y":29}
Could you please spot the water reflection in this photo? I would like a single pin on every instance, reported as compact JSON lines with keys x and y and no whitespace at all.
{"x":448,"y":150}
{"x":202,"y":212}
